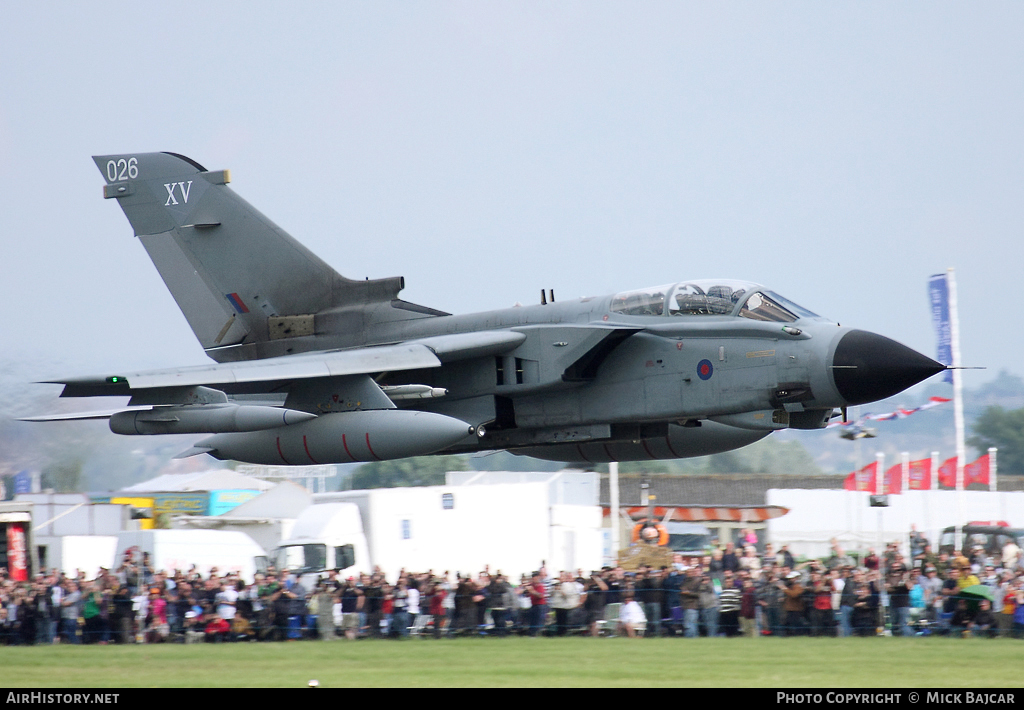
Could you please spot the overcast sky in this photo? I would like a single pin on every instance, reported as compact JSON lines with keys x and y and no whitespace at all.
{"x":839,"y":153}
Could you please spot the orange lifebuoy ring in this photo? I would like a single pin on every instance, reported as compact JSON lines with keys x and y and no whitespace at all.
{"x":662,"y":532}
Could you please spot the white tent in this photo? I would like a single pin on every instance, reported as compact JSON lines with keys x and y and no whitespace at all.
{"x":268,"y":518}
{"x":284,"y":500}
{"x":216,"y":480}
{"x":817,"y":516}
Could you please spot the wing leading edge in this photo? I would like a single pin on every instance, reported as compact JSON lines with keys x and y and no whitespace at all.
{"x":265,"y":374}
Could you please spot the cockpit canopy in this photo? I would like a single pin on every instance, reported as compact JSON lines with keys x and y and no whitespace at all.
{"x":709,"y":298}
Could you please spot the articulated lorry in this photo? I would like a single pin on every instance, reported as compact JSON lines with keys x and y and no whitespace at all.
{"x":513,"y":528}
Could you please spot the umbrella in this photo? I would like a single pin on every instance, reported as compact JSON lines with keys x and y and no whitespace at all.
{"x":978,"y":592}
{"x":975,"y":593}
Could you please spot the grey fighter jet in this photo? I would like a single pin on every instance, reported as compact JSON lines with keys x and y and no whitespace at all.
{"x":312,"y":367}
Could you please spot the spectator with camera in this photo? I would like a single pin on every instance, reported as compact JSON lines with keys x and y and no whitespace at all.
{"x":847,"y":600}
{"x":792,"y":605}
{"x":822,"y":620}
{"x":564,"y":598}
{"x":502,"y":602}
{"x":594,"y":590}
{"x":649,"y":593}
{"x":689,"y":601}
{"x":864,"y":608}
{"x":671,"y":584}
{"x":70,"y":611}
{"x":708,"y":604}
{"x":400,"y":609}
{"x":770,"y":599}
{"x":465,"y":608}
{"x":538,"y":603}
{"x":898,"y":587}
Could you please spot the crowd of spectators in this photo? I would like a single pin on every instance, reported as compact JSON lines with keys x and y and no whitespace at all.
{"x":727,"y":592}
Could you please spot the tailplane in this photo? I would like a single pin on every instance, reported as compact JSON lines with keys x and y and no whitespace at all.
{"x":238,"y":278}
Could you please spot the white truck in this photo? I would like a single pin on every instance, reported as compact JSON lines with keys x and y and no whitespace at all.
{"x":70,"y":553}
{"x":169,"y":550}
{"x":513,"y":528}
{"x":326,"y":536}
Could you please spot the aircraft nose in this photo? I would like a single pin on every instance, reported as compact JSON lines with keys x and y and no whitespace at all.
{"x":868,"y":367}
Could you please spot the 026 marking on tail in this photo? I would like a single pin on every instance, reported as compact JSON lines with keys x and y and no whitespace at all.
{"x":122,"y":169}
{"x":311,"y":366}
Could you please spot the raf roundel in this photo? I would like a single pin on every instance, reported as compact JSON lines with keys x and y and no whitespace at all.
{"x":705,"y":369}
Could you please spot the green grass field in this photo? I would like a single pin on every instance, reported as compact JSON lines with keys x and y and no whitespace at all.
{"x":519,"y":662}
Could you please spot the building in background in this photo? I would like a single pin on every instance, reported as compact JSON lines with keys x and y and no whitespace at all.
{"x":267,"y":518}
{"x":204,"y":493}
{"x":70,"y":532}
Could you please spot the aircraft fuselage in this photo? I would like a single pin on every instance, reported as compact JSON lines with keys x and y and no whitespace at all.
{"x":313,"y":367}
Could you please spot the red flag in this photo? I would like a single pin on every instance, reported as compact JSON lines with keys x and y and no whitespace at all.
{"x":862,"y":480}
{"x":893,"y":481}
{"x":947,"y":473}
{"x":920,"y":475}
{"x":977,"y":472}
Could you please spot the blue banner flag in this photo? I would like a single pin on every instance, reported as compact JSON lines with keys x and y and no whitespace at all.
{"x":938,"y":296}
{"x":22,"y":482}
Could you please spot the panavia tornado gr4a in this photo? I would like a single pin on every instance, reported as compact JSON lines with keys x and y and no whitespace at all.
{"x":312,"y":367}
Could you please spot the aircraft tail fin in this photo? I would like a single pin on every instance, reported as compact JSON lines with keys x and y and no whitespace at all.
{"x":238,"y":278}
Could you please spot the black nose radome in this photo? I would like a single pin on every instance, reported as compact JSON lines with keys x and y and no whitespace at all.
{"x":869,"y":367}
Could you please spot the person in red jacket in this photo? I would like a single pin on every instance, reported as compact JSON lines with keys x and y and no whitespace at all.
{"x":436,"y":593}
{"x":539,"y":601}
{"x":748,"y":609}
{"x":822,"y":618}
{"x":217,"y":629}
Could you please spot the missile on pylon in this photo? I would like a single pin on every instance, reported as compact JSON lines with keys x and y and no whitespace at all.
{"x":397,"y":392}
{"x":205,"y":419}
{"x":343,"y":437}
